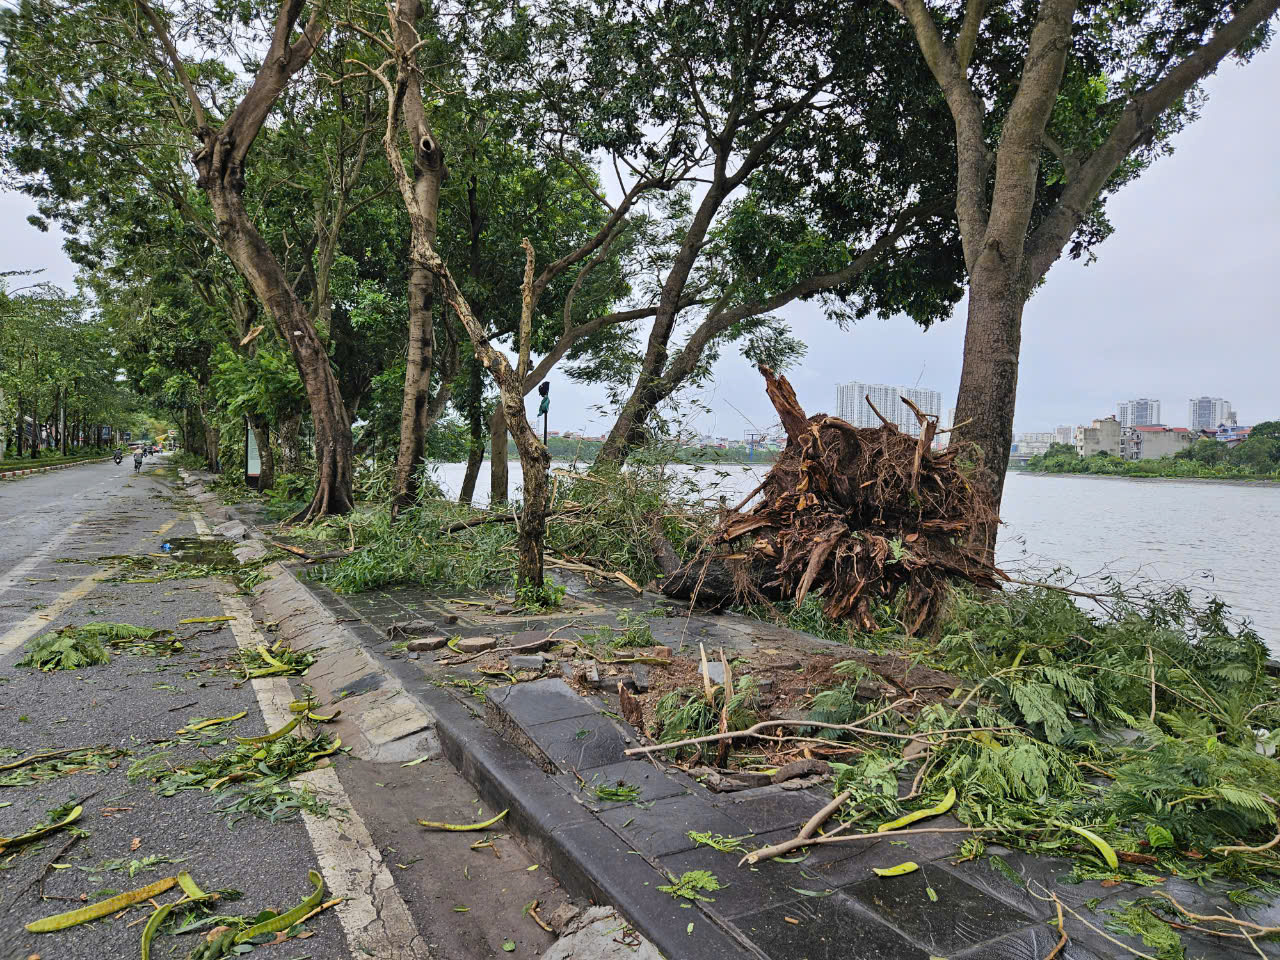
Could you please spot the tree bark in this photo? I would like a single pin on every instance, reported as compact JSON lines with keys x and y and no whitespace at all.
{"x":417,"y":389}
{"x":499,"y":475}
{"x":290,"y":443}
{"x":989,"y":380}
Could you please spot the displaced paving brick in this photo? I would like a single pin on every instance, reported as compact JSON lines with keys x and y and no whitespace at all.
{"x":232,"y":530}
{"x":525,"y":662}
{"x":476,"y":644}
{"x":640,"y":677}
{"x":427,"y":643}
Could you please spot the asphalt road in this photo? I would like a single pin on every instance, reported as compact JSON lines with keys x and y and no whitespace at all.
{"x":55,"y":529}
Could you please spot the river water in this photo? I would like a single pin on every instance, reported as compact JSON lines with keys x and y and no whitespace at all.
{"x":1220,"y":538}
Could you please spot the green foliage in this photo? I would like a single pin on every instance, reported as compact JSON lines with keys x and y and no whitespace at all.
{"x":253,"y":777}
{"x":70,"y":648}
{"x":616,"y":533}
{"x":1257,"y":457}
{"x":717,"y":841}
{"x":1069,"y":735}
{"x":1135,"y":918}
{"x":692,"y":885}
{"x":685,"y":713}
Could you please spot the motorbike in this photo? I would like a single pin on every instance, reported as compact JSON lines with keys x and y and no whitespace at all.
{"x":118,"y":457}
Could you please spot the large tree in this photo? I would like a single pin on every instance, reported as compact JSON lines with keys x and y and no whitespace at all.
{"x":775,"y":133}
{"x":1055,"y":105}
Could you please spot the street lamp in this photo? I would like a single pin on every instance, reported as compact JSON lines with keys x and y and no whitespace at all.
{"x":544,"y":390}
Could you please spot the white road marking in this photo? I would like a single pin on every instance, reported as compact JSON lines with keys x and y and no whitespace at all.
{"x":373,"y":914}
{"x":38,"y":621}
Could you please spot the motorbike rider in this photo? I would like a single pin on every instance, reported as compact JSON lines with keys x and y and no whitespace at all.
{"x":137,"y":460}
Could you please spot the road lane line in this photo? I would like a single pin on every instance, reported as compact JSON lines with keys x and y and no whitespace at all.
{"x":373,"y":914}
{"x":38,"y":621}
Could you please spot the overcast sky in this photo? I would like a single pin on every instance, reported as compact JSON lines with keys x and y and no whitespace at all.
{"x":1181,"y":302}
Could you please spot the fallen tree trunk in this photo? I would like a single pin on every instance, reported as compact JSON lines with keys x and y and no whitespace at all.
{"x":863,"y":516}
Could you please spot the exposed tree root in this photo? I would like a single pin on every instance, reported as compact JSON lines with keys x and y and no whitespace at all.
{"x":863,"y":515}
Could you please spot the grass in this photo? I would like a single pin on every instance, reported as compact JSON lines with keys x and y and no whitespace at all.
{"x":615,"y":534}
{"x":49,"y":460}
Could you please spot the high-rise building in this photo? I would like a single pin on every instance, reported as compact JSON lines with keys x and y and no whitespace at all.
{"x":1065,"y":435}
{"x":1138,"y":413}
{"x":1206,"y":413}
{"x":851,"y":405}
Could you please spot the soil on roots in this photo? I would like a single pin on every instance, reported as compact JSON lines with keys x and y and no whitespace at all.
{"x":864,"y":516}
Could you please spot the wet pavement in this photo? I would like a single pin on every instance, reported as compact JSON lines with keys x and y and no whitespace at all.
{"x":54,"y":528}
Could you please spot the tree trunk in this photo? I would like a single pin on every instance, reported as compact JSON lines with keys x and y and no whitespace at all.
{"x":417,"y":388}
{"x":267,"y":460}
{"x":498,"y":473}
{"x":989,"y":380}
{"x":535,"y":463}
{"x":253,"y":258}
{"x":290,"y":443}
{"x":475,"y":449}
{"x":628,"y":431}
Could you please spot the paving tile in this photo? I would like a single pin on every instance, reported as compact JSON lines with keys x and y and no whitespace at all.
{"x":744,"y":890}
{"x":772,"y":810}
{"x":580,"y":743}
{"x":826,"y":928}
{"x":541,"y":701}
{"x":651,"y":781}
{"x":1030,"y":943}
{"x":1041,"y":874}
{"x":664,"y":827}
{"x":957,"y":916}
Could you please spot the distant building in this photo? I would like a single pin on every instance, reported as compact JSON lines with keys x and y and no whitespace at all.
{"x":1033,"y":444}
{"x":852,"y":405}
{"x":1104,"y":436}
{"x":1206,"y":413}
{"x":1228,"y":433}
{"x":1065,"y":435}
{"x":1154,"y":442}
{"x":1138,"y":413}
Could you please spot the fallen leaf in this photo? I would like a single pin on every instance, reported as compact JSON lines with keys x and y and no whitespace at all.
{"x":1110,"y":883}
{"x":509,"y":946}
{"x":215,"y":933}
{"x":534,"y":867}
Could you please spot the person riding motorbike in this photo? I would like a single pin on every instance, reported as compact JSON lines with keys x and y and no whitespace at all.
{"x":119,"y":455}
{"x":137,"y":460}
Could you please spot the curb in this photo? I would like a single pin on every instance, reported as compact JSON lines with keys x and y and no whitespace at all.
{"x":392,"y":712}
{"x":588,"y":859}
{"x":16,"y":474}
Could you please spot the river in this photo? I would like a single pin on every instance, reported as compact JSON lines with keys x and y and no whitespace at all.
{"x":1220,"y":538}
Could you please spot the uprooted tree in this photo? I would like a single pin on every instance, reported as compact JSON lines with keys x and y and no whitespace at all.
{"x":865,"y":516}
